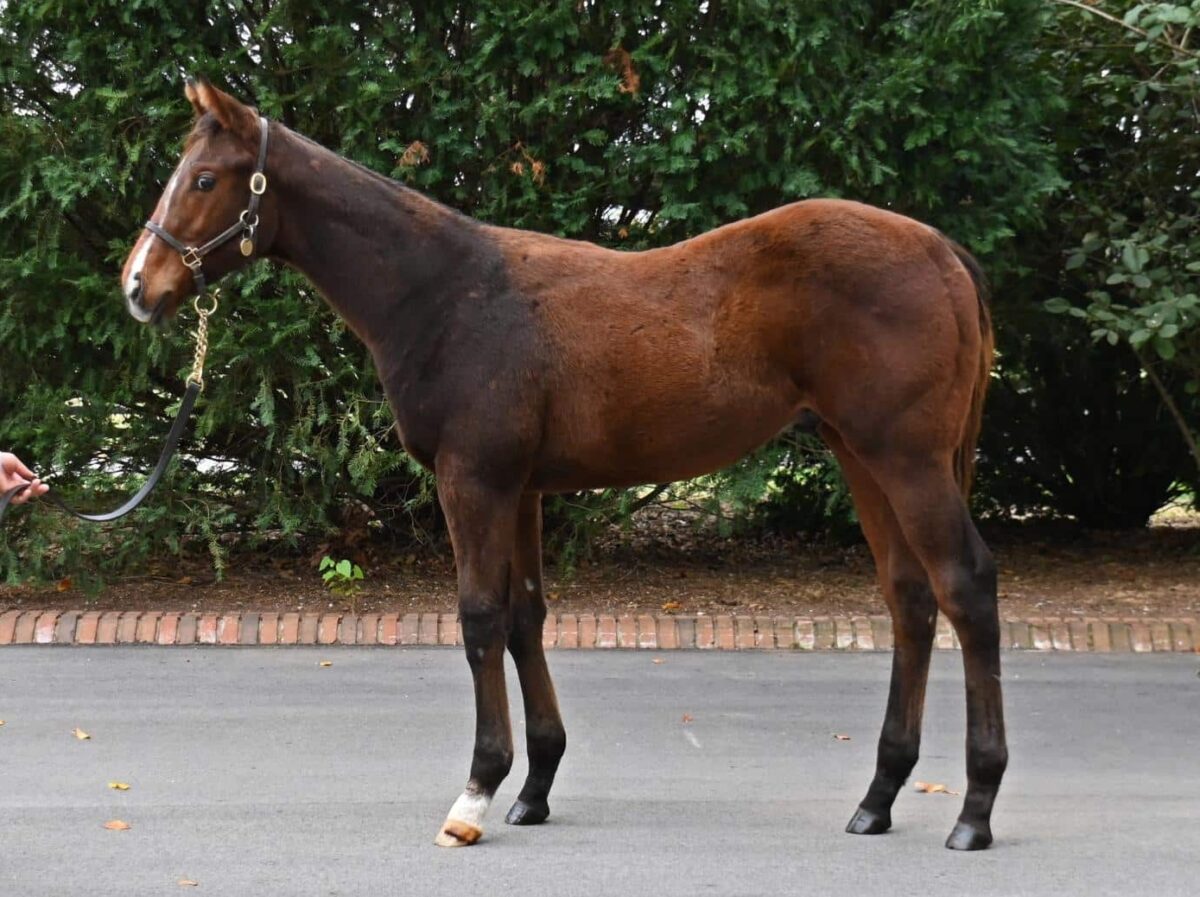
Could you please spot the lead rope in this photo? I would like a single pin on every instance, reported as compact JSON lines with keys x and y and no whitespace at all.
{"x":195,"y":386}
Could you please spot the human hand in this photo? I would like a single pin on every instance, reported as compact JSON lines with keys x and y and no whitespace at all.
{"x":13,"y":473}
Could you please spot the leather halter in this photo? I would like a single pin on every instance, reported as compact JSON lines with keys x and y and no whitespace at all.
{"x":193,"y":258}
{"x":247,"y":223}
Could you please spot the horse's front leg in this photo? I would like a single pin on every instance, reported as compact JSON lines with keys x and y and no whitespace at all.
{"x":482,"y":522}
{"x":544,"y":734}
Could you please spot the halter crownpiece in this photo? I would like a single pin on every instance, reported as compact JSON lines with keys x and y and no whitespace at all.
{"x":246,"y":225}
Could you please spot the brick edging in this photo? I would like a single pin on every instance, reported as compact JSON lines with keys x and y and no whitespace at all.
{"x":656,"y":632}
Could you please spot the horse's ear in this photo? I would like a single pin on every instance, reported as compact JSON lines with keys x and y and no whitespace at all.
{"x":193,"y":95}
{"x":232,"y":115}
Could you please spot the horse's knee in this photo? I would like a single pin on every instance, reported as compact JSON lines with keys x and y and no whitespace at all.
{"x":528,"y":622}
{"x":484,"y":624}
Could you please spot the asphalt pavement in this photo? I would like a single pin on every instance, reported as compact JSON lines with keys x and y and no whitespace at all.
{"x":261,"y":772}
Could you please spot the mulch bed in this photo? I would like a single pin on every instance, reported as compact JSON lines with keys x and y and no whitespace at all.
{"x":662,"y":563}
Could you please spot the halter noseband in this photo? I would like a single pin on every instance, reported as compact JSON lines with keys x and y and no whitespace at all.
{"x":247,"y":223}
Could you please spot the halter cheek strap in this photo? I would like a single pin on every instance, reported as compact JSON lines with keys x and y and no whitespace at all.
{"x":246,"y":225}
{"x":193,"y":258}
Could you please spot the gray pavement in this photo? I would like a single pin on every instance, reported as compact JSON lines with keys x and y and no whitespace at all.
{"x":258,"y":772}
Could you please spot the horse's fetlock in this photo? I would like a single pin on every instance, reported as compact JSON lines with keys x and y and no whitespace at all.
{"x":547,"y":739}
{"x":897,"y":757}
{"x":986,"y":765}
{"x":493,"y":761}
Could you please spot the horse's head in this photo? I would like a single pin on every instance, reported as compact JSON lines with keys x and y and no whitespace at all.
{"x":210,"y":194}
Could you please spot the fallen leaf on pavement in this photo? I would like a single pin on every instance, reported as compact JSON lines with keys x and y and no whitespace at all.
{"x":116,"y":825}
{"x":687,"y":718}
{"x":1,"y":722}
{"x":188,"y":883}
{"x":841,"y":737}
{"x":119,"y":786}
{"x":672,"y":606}
{"x":932,"y":788}
{"x":80,"y":734}
{"x":326,"y":663}
{"x":658,"y":660}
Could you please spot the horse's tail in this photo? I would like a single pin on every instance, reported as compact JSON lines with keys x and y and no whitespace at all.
{"x":964,"y":455}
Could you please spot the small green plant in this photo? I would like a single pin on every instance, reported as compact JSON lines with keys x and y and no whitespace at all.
{"x":342,"y":578}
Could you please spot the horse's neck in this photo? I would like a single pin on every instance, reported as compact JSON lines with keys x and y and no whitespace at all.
{"x":375,"y":250}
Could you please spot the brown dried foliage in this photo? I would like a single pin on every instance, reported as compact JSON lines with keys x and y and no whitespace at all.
{"x":416,"y":153}
{"x":618,"y":59}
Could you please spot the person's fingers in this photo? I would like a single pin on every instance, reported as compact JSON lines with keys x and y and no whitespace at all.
{"x":19,"y":467}
{"x":21,"y":497}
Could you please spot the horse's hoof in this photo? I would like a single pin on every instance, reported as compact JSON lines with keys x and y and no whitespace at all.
{"x":456,"y":833}
{"x":969,"y":837}
{"x":523,"y":813}
{"x":868,"y":822}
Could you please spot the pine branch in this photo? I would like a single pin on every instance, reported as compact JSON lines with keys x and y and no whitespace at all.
{"x":1141,"y":32}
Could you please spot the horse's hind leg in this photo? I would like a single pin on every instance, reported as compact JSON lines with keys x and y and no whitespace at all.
{"x":544,"y":735}
{"x":482,"y":522}
{"x":933,"y":516}
{"x":913,"y":608}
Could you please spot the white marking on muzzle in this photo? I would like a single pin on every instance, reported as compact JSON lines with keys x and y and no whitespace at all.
{"x":141,"y":315}
{"x":161,"y":211}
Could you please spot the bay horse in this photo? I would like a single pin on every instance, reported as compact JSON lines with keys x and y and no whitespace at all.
{"x":519,"y":364}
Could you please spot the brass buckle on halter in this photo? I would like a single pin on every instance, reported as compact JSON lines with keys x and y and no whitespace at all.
{"x":258,"y":183}
{"x":192,"y":258}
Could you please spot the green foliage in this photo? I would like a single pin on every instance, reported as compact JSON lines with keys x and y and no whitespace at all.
{"x":1074,"y":430}
{"x":1132,"y":141}
{"x":341,"y":577}
{"x":633,"y":123}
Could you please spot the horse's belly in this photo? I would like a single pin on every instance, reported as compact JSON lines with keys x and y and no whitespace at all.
{"x":656,"y":444}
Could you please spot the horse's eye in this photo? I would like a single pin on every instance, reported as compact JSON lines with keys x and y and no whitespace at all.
{"x":205,"y":182}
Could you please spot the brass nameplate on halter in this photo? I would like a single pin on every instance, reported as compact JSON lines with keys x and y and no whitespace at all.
{"x":247,"y":246}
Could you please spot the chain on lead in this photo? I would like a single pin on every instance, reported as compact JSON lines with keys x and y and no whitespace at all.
{"x":201,"y":335}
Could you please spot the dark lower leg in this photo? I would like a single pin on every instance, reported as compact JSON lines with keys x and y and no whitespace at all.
{"x":976,"y":621}
{"x":484,"y":637}
{"x":482,"y":525}
{"x":937,"y":525}
{"x":913,"y":615}
{"x":910,"y":600}
{"x":545,"y":738}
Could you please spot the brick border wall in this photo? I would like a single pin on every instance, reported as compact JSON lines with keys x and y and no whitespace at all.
{"x":655,"y":632}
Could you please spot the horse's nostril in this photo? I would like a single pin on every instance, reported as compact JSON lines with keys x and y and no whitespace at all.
{"x":135,"y":293}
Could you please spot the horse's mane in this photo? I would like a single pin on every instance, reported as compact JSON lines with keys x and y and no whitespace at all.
{"x":207,"y":126}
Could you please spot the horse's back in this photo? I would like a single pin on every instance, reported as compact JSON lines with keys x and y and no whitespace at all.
{"x":672,"y":362}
